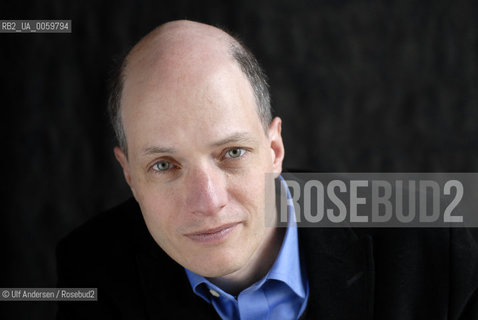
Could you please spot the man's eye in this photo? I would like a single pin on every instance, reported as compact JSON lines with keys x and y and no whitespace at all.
{"x":235,"y":153}
{"x":162,"y":165}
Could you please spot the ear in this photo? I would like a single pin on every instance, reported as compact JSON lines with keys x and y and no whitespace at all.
{"x":123,"y":160}
{"x":276,"y":144}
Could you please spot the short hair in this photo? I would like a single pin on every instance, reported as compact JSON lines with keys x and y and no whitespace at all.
{"x":238,"y":51}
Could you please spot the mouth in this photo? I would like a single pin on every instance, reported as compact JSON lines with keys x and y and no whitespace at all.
{"x":213,"y":235}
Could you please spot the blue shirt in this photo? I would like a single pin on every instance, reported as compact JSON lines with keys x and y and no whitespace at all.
{"x":281,"y":294}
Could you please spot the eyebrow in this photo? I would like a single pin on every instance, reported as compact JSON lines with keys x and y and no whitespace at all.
{"x":155,"y":150}
{"x":234,"y":138}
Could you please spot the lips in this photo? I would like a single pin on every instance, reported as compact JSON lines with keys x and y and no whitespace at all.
{"x":213,"y":235}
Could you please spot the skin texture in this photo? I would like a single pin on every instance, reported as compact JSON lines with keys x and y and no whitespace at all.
{"x":198,"y":154}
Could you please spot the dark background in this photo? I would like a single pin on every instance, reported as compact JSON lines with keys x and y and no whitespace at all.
{"x":363,"y":86}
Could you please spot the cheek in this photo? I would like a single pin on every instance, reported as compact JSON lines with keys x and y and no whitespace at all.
{"x":161,"y":215}
{"x":249,"y":192}
{"x":158,"y":208}
{"x":258,"y":190}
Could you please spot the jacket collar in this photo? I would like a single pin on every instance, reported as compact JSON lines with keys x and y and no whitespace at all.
{"x":340,"y":270}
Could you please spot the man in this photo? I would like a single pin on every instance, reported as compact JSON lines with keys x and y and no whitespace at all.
{"x":191,"y":112}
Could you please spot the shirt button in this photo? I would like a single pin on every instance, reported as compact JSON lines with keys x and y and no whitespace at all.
{"x":214,"y":293}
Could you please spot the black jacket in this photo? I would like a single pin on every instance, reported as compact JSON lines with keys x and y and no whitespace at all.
{"x":353,"y":273}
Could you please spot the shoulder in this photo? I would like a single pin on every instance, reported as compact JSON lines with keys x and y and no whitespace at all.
{"x":431,"y":267}
{"x":422,"y":272}
{"x":106,"y":244}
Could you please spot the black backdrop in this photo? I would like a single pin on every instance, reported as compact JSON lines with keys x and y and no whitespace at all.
{"x":361,"y":86}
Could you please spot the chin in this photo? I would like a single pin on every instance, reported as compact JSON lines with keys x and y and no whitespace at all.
{"x":217,"y":266}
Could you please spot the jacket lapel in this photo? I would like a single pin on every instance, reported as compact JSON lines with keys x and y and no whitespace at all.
{"x":340,"y":271}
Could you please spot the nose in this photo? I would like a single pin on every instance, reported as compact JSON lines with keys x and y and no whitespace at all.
{"x":206,"y":191}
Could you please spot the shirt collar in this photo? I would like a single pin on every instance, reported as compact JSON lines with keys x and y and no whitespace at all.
{"x":286,"y":268}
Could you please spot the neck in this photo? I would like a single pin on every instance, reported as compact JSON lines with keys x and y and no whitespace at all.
{"x":258,"y":266}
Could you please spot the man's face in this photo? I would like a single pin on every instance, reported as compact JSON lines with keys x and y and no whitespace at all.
{"x":197,"y":158}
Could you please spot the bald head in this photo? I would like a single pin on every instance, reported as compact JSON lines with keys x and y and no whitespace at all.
{"x":179,"y":42}
{"x":181,"y":52}
{"x":176,"y":49}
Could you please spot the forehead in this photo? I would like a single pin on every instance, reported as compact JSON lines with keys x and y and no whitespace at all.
{"x":189,"y":104}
